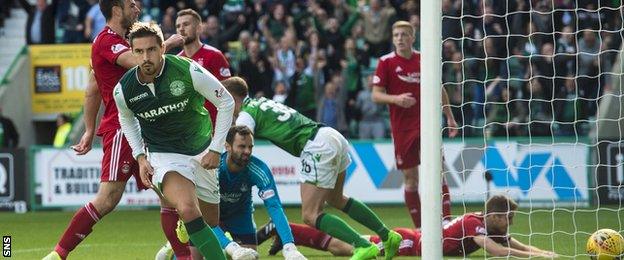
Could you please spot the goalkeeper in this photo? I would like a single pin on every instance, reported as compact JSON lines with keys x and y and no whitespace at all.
{"x":462,"y":235}
{"x":238,"y":172}
{"x":324,"y":155}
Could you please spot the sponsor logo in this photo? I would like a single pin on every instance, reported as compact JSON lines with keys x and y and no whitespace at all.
{"x":137,"y":98}
{"x":267,"y":194}
{"x":177,"y":107}
{"x":412,"y":77}
{"x":118,"y":48}
{"x":177,"y":88}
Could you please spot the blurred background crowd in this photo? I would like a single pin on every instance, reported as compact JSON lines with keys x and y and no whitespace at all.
{"x":511,"y":68}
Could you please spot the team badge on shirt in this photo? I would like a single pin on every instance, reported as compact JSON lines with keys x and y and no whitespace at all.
{"x":177,"y":88}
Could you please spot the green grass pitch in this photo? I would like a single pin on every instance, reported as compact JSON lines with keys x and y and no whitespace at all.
{"x":136,"y":234}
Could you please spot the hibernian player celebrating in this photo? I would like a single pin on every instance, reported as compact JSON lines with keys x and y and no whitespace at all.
{"x":160,"y":104}
{"x":324,"y":155}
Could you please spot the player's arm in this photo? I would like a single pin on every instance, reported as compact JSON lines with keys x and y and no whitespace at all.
{"x":379,"y":95}
{"x":247,"y":120}
{"x":210,"y":87}
{"x":129,"y":123}
{"x":514,"y":243}
{"x":446,"y":109}
{"x":92,"y":103}
{"x":498,"y":250}
{"x":126,"y":60}
{"x":268,"y":193}
{"x":91,"y":108}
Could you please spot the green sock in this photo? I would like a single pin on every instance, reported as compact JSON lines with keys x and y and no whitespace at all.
{"x":204,"y":239}
{"x":337,"y":228}
{"x":361,"y":213}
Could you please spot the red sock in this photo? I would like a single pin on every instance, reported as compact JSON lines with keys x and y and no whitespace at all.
{"x":412,"y":201}
{"x":310,"y":237}
{"x":446,"y":202}
{"x":79,"y":228}
{"x":169,"y":220}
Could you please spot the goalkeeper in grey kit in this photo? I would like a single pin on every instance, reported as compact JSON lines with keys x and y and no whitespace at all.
{"x":161,"y":113}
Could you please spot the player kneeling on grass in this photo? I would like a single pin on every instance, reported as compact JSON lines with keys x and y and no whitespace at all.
{"x":238,"y":172}
{"x":462,"y":235}
{"x":324,"y":155}
{"x":160,"y":104}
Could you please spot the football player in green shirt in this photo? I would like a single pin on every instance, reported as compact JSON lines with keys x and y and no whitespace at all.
{"x":161,"y":113}
{"x":324,"y":155}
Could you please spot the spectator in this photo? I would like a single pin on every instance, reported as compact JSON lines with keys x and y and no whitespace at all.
{"x":63,"y":128}
{"x":281,"y":93}
{"x":331,"y":109}
{"x":94,"y":22}
{"x":72,"y":15}
{"x":214,"y":36}
{"x":588,"y":69}
{"x":377,"y":23}
{"x":257,"y":70}
{"x":9,"y":137}
{"x":569,"y":110}
{"x":284,"y":67}
{"x":372,"y":124}
{"x":302,"y":87}
{"x":40,"y":25}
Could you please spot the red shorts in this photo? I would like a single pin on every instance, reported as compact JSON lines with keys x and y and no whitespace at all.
{"x":118,"y":163}
{"x":410,"y":245}
{"x":406,"y":149}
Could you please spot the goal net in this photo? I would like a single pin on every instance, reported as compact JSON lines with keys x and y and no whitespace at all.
{"x":535,"y":87}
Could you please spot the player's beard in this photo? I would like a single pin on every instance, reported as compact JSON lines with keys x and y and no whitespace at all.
{"x":128,"y":21}
{"x":148,"y":70}
{"x":189,"y":39}
{"x":240,"y":159}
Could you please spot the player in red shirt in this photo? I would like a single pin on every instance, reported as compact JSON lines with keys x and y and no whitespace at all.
{"x":461,"y":236}
{"x":188,"y":24}
{"x":110,"y":58}
{"x":397,"y":83}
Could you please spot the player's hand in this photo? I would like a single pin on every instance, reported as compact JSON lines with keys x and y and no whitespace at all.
{"x":173,"y":41}
{"x":452,"y":127}
{"x":211,"y":160}
{"x":405,"y":100}
{"x":145,"y":170}
{"x":84,"y":146}
{"x":290,"y":252}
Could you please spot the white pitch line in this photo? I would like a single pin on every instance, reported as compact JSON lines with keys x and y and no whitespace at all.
{"x":80,"y":246}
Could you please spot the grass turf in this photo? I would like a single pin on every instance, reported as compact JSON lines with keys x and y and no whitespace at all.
{"x":137,"y":234}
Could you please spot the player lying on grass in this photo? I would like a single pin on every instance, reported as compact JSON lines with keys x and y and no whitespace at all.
{"x":462,"y":235}
{"x":324,"y":155}
{"x":239,"y":171}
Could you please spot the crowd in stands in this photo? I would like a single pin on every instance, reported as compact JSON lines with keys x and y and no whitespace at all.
{"x":511,"y":68}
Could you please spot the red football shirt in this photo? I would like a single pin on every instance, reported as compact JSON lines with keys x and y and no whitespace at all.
{"x":106,"y":48}
{"x":399,"y":75}
{"x":459,"y":233}
{"x":213,"y":60}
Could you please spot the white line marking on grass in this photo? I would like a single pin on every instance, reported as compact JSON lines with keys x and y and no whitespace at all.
{"x":46,"y":249}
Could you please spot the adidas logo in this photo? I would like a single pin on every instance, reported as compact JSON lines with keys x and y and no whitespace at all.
{"x":398,"y":69}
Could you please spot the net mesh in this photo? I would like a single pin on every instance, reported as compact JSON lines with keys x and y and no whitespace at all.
{"x":535,"y":89}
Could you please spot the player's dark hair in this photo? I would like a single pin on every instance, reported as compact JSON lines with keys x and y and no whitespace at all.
{"x":141,"y":29}
{"x":237,"y":129}
{"x":500,"y":204}
{"x":106,"y":6}
{"x":190,"y":12}
{"x":236,"y":86}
